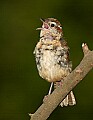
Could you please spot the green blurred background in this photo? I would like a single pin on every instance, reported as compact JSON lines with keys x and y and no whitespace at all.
{"x":21,"y":88}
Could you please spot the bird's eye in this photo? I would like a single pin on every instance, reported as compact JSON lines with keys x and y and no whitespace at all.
{"x":52,"y":25}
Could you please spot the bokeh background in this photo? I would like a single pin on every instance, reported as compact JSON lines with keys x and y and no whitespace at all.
{"x":21,"y":88}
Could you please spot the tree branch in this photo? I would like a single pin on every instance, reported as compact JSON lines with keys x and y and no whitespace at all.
{"x":70,"y":82}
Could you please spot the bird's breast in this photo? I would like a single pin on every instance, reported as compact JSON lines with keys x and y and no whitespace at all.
{"x":53,"y":65}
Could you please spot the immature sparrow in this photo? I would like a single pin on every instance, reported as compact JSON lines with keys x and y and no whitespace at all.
{"x":52,"y":56}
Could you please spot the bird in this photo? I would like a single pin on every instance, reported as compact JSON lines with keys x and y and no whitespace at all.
{"x":52,"y":57}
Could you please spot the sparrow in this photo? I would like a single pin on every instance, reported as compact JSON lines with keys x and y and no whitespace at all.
{"x":52,"y":56}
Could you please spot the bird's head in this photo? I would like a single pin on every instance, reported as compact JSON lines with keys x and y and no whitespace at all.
{"x":51,"y":27}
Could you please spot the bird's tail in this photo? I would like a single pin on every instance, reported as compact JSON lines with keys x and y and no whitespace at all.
{"x":69,"y":99}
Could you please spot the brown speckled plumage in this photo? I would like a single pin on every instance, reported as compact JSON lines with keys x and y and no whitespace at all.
{"x":52,"y":56}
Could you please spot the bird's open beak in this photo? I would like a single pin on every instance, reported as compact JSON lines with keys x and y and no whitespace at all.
{"x":46,"y":26}
{"x":42,"y":20}
{"x":39,"y":28}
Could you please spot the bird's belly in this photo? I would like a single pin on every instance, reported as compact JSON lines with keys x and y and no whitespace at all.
{"x":50,"y":69}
